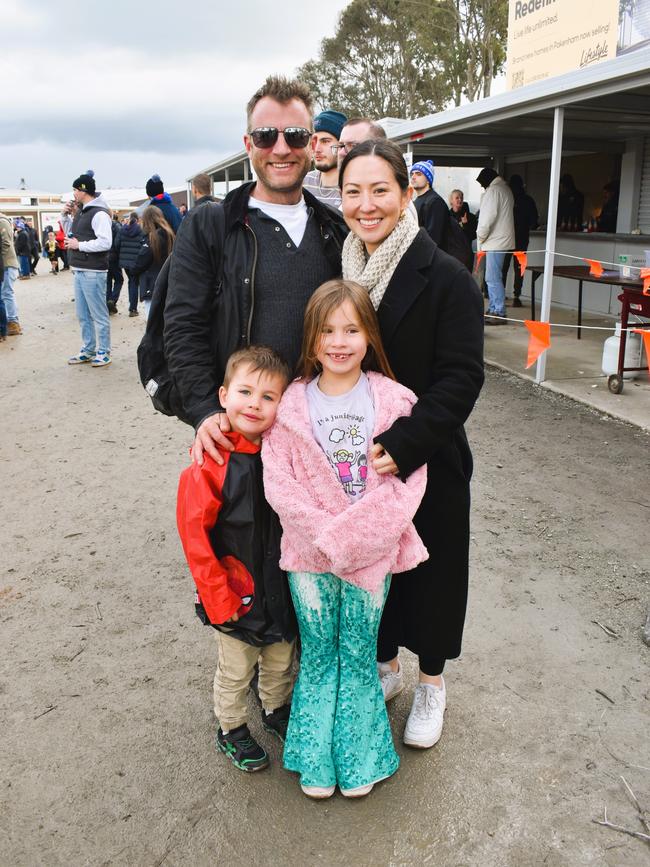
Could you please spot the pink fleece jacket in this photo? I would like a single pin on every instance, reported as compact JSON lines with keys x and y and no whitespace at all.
{"x":323,"y":531}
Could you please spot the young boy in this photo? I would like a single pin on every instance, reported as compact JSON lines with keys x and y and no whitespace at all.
{"x":231,"y":539}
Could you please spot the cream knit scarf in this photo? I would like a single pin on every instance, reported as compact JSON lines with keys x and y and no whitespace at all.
{"x":374,"y":272}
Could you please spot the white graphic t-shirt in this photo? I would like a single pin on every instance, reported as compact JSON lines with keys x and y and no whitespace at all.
{"x":343,"y":427}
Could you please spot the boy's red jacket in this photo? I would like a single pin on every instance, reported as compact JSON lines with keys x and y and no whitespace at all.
{"x":225,"y":585}
{"x":231,"y":538}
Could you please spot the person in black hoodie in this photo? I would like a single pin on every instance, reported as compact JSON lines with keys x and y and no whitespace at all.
{"x":130,"y":242}
{"x":157,"y":245}
{"x":23,"y":247}
{"x":114,"y":276}
{"x":526,"y":217}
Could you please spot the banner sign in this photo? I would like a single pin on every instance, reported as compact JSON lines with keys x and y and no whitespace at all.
{"x":551,"y":37}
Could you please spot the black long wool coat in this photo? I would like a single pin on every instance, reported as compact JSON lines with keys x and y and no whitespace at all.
{"x":431,"y":320}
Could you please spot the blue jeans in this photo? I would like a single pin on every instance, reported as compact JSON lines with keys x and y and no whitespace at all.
{"x":3,"y":318}
{"x":92,"y":312}
{"x":338,"y":730}
{"x":25,"y":266}
{"x":7,"y":292}
{"x":494,"y":280}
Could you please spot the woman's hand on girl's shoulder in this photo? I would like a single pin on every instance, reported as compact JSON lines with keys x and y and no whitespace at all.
{"x":382,"y":462}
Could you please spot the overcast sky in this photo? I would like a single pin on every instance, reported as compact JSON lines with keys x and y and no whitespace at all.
{"x":129,"y":89}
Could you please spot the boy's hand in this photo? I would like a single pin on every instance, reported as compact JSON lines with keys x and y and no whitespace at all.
{"x":234,"y":618}
{"x":210,"y":435}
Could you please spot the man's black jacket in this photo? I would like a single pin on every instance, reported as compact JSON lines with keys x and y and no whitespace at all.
{"x":433,"y":215}
{"x":211,"y":294}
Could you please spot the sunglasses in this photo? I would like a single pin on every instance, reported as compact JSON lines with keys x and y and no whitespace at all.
{"x":294,"y":136}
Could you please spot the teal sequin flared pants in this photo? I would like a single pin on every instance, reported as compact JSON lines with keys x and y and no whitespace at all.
{"x":338,"y":730}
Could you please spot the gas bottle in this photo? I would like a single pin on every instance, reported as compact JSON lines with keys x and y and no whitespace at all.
{"x":633,"y":352}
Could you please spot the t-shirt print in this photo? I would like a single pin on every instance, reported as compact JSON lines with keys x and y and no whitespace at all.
{"x":343,"y":426}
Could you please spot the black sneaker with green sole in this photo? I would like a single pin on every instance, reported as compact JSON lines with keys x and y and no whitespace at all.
{"x":242,"y":749}
{"x":277,"y":721}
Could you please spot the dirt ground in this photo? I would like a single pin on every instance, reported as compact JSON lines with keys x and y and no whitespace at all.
{"x":105,"y":689}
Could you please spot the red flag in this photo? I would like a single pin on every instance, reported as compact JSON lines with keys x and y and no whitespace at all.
{"x":645,"y":276}
{"x":477,"y":262}
{"x":595,"y":268}
{"x":539,"y":340}
{"x":522,"y":258}
{"x":645,"y":334}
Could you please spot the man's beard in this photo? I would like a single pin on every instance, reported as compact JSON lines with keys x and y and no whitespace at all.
{"x":324,"y":166}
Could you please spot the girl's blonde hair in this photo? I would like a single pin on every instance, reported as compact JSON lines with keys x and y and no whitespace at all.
{"x":322,"y":303}
{"x":152,"y":220}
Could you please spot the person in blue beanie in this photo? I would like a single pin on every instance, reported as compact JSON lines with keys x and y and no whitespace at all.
{"x":433,"y":214}
{"x":161,"y":199}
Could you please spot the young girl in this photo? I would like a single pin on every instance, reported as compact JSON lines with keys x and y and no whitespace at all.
{"x":52,"y":254}
{"x":344,"y":532}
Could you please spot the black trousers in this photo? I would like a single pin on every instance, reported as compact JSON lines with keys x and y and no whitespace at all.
{"x":114,"y":283}
{"x":519,"y":280}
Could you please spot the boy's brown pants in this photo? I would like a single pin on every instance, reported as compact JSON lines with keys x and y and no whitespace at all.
{"x":234,"y":673}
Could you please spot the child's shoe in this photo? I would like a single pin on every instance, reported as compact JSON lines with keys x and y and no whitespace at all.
{"x":277,"y":721}
{"x":318,"y":793}
{"x":242,"y":749}
{"x":359,"y":792}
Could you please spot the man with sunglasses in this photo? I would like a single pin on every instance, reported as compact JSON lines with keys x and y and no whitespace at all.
{"x":244,"y":276}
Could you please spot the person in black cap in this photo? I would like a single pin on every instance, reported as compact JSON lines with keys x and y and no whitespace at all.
{"x":161,"y":199}
{"x":88,"y":242}
{"x":323,"y":182}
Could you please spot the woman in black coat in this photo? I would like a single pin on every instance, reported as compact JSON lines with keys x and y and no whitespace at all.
{"x":130,"y":241}
{"x":431,"y":317}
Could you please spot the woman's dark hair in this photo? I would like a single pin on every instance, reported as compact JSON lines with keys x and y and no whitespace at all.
{"x":383,"y":148}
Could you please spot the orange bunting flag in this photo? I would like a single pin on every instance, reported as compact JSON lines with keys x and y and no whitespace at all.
{"x":522,"y":258}
{"x":645,"y":334}
{"x":595,"y":268}
{"x":645,"y":276}
{"x":479,"y":256}
{"x":539,"y":340}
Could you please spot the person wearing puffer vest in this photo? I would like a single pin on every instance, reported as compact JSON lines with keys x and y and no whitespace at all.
{"x":88,"y":243}
{"x":161,"y":199}
{"x":495,"y":235}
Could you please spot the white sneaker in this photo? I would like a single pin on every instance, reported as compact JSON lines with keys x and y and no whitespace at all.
{"x":392,"y":682}
{"x":318,"y":793}
{"x":102,"y":359}
{"x":424,"y":725}
{"x":359,"y":792}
